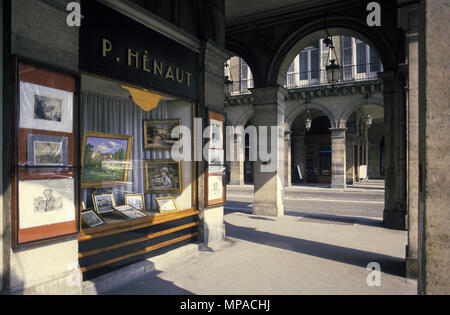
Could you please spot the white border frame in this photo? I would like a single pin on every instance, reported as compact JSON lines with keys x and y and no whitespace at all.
{"x":27,"y":120}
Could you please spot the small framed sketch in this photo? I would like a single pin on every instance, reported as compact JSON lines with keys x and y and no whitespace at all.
{"x":135,"y":200}
{"x":166,"y":204}
{"x":46,"y":209}
{"x":45,"y":108}
{"x":104,"y":203}
{"x":130,"y":212}
{"x":47,"y":150}
{"x":217,"y":130}
{"x":158,"y":134}
{"x":105,"y":159}
{"x":215,"y":190}
{"x":91,"y":219}
{"x":163,"y":176}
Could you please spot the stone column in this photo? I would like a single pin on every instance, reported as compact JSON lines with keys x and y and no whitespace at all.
{"x":287,"y":159}
{"x":237,"y":166}
{"x":338,"y":158}
{"x":411,"y":70}
{"x":350,"y":158}
{"x":212,"y":227}
{"x":269,"y":185}
{"x":434,"y":149}
{"x":395,"y":150}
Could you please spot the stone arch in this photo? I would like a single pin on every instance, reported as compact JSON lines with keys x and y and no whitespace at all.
{"x":290,"y":117}
{"x":348,"y":111}
{"x":338,"y":25}
{"x":248,"y":114}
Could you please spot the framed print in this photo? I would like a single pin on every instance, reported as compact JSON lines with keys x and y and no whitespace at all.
{"x":216,"y":169}
{"x":166,"y":204}
{"x":158,"y":134}
{"x":91,"y":219}
{"x":216,"y":156}
{"x":45,"y":108}
{"x":163,"y":176}
{"x":215,"y":188}
{"x":135,"y":200}
{"x":130,"y":212}
{"x":103,"y":203}
{"x":216,"y":134}
{"x":105,"y":159}
{"x":47,"y":150}
{"x":46,"y":209}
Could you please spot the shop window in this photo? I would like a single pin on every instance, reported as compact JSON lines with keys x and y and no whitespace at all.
{"x":46,"y":174}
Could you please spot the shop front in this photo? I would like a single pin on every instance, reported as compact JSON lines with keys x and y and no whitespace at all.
{"x":95,"y":182}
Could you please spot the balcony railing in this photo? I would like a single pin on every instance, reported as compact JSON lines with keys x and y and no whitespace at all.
{"x":319,"y":77}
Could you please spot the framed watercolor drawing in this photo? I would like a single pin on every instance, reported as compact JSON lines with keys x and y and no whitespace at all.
{"x":163,"y":176}
{"x":45,"y":108}
{"x":130,"y":212}
{"x":158,"y":134}
{"x":105,"y":159}
{"x":91,"y":219}
{"x":166,"y":204}
{"x":103,"y":203}
{"x":135,"y":200}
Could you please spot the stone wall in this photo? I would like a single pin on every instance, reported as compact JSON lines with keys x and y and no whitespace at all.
{"x":434,"y":214}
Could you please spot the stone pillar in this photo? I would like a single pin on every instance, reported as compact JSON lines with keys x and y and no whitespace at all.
{"x":411,"y":69}
{"x":395,"y":150}
{"x":269,"y":185}
{"x":212,"y":227}
{"x":287,"y":159}
{"x":237,"y":164}
{"x":350,"y":158}
{"x":434,"y":149}
{"x":338,"y":158}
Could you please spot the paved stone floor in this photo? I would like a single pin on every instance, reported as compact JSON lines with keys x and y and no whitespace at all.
{"x":321,"y":246}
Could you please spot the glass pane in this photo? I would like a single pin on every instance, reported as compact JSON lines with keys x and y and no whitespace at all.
{"x":304,"y":66}
{"x":315,"y":64}
{"x":361,"y":57}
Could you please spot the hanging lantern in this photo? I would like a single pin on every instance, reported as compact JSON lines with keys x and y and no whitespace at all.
{"x":308,"y":121}
{"x":333,"y":68}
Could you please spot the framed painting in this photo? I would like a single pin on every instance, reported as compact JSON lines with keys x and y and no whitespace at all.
{"x":45,"y":108}
{"x":130,"y":212}
{"x":158,"y":134}
{"x":90,"y":219}
{"x":166,"y":204}
{"x":163,"y":176}
{"x":105,"y":159}
{"x":103,"y":203}
{"x":135,"y":200}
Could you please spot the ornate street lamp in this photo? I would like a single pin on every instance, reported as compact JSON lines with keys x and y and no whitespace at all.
{"x":333,"y":68}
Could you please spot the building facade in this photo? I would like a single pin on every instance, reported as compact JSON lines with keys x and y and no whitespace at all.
{"x":85,"y":108}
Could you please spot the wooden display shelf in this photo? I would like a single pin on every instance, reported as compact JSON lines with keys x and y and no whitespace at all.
{"x":130,"y":225}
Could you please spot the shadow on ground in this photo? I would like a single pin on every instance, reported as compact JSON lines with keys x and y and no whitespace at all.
{"x":389,"y":265}
{"x":150,"y":284}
